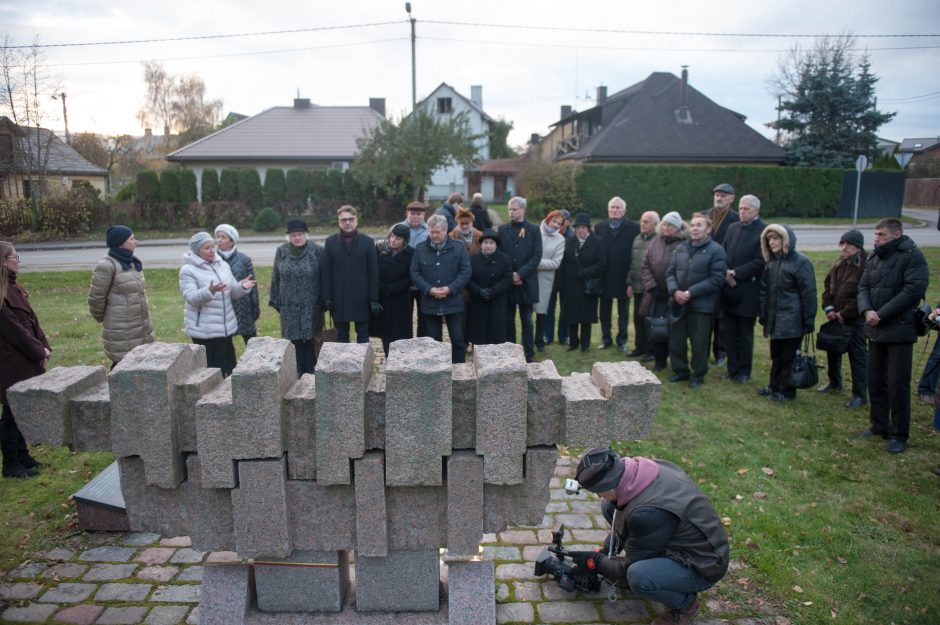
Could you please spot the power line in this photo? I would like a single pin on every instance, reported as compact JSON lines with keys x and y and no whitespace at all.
{"x":913,"y":97}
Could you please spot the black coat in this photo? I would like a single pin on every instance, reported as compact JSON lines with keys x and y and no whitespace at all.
{"x":486,"y":320}
{"x":894,"y":282}
{"x":22,"y":341}
{"x":718,"y":234}
{"x":350,"y":278}
{"x":577,"y":266}
{"x":481,"y":218}
{"x":522,"y":242}
{"x":619,"y":247}
{"x":448,"y":267}
{"x":698,"y":268}
{"x":742,"y":247}
{"x":788,"y":291}
{"x":394,"y":323}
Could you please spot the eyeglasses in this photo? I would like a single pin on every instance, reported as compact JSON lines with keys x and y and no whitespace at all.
{"x":346,"y":219}
{"x":15,"y":257}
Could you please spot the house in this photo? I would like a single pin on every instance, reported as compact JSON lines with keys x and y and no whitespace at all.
{"x":661,"y":119}
{"x":443,"y":102}
{"x":495,"y":179}
{"x":25,"y":152}
{"x":285,"y":137}
{"x":921,"y":151}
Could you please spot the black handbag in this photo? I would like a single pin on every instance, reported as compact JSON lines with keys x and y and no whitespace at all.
{"x":657,"y":329}
{"x":593,"y":286}
{"x":805,"y":371}
{"x":834,"y":337}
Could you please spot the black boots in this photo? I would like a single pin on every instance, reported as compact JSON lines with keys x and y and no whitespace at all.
{"x":16,"y":459}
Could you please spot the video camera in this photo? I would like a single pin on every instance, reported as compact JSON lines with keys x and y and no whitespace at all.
{"x":573,"y":570}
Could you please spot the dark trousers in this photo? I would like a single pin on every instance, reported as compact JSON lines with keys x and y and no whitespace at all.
{"x":782,"y":357}
{"x":550,"y":321}
{"x":528,"y":332}
{"x":416,"y":307}
{"x":692,"y":328}
{"x":455,"y":324}
{"x":928,"y":379}
{"x":623,"y":305}
{"x":220,"y":352}
{"x":718,"y":337}
{"x":342,"y":331}
{"x":889,"y":388}
{"x":247,"y":337}
{"x":540,"y":331}
{"x":858,"y":361}
{"x":739,"y":340}
{"x":585,"y":339}
{"x":306,"y":357}
{"x":639,"y":328}
{"x":12,"y":444}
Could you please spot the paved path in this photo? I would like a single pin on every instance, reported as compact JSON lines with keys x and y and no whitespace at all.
{"x":117,"y":578}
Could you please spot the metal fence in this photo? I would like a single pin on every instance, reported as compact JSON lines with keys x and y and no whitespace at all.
{"x":881,"y":194}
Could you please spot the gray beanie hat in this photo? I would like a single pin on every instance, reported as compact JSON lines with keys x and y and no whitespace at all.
{"x":673,"y":218}
{"x":228,"y":231}
{"x":198,"y":240}
{"x":854,"y":237}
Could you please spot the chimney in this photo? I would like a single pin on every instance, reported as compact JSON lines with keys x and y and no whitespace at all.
{"x":377,"y":105}
{"x":476,"y":95}
{"x":683,"y":116}
{"x":301,"y":103}
{"x":601,"y":95}
{"x":535,"y":139}
{"x":565,"y":110}
{"x":148,"y":132}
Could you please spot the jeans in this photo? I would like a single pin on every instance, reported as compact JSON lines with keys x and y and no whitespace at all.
{"x":928,"y":379}
{"x":623,"y":305}
{"x":306,"y":356}
{"x":889,"y":388}
{"x":528,"y":332}
{"x":342,"y":331}
{"x":858,"y":361}
{"x":455,"y":325}
{"x":666,"y":581}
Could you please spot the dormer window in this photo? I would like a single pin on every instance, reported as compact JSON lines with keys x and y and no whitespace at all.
{"x":445,"y":105}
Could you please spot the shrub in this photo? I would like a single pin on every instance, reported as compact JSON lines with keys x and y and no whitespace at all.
{"x":228,"y":185}
{"x":65,"y":215}
{"x":15,"y":217}
{"x":274,"y":187}
{"x":249,"y":187}
{"x":211,"y":213}
{"x":550,"y":186}
{"x":188,"y":186}
{"x":210,"y":185}
{"x":170,"y":185}
{"x":148,"y":186}
{"x":296,"y":190}
{"x":127,"y":192}
{"x":267,"y":220}
{"x":123,"y":218}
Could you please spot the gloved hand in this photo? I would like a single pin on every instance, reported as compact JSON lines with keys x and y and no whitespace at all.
{"x":272,"y":305}
{"x":486,"y":294}
{"x":328,"y":305}
{"x":809,"y":329}
{"x":376,"y":308}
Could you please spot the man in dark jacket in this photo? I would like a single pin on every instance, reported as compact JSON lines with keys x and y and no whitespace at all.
{"x":894,"y":281}
{"x":648,"y":223}
{"x":673,"y":541}
{"x":616,"y":234}
{"x":521,"y":241}
{"x":840,"y":303}
{"x":739,"y":295}
{"x":721,"y":215}
{"x":693,"y":278}
{"x":349,"y":281}
{"x":440,"y":270}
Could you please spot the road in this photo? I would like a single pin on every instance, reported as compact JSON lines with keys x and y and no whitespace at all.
{"x":165,"y":253}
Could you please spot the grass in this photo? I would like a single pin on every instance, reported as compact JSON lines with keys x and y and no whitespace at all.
{"x":826,"y":527}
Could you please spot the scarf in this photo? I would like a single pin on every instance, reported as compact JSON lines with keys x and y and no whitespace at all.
{"x":226,"y":255}
{"x":883,"y":251}
{"x":549,"y":229}
{"x":126,"y":258}
{"x":718,"y":216}
{"x":615,"y":223}
{"x":296,"y":251}
{"x":638,"y":473}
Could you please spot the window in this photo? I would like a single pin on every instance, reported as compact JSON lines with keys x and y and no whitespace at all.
{"x":445,"y":105}
{"x":340,"y":166}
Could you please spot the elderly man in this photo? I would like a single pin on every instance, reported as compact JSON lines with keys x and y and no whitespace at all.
{"x":521,"y":241}
{"x":740,"y":294}
{"x":894,"y":281}
{"x":617,"y":235}
{"x":721,"y":215}
{"x":648,"y":222}
{"x":440,"y":270}
{"x":414,"y":219}
{"x":349,"y":282}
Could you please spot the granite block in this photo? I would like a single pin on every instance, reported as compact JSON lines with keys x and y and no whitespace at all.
{"x":545,"y":408}
{"x":91,"y":419}
{"x":188,"y":392}
{"x":307,"y":581}
{"x":375,"y":412}
{"x":418,"y":397}
{"x":228,"y":591}
{"x":371,"y":524}
{"x":521,"y":504}
{"x":502,"y":392}
{"x":401,"y":581}
{"x":167,"y":615}
{"x":259,"y":509}
{"x":300,"y":428}
{"x":464,"y":416}
{"x":470,"y":599}
{"x":216,"y":437}
{"x":41,"y":404}
{"x":585,"y":412}
{"x":464,"y":503}
{"x":265,"y":372}
{"x":344,"y":371}
{"x":417,"y":517}
{"x":150,"y":508}
{"x":322,"y":518}
{"x":633,"y":393}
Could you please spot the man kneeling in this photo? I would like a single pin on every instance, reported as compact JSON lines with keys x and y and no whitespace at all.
{"x":672,"y":540}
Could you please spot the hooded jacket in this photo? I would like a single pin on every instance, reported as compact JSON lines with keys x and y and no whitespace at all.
{"x":788,"y":288}
{"x":893,"y":283}
{"x":208,"y":315}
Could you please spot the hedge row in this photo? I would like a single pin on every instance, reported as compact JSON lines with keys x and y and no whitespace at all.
{"x":783,"y":191}
{"x":60,"y":215}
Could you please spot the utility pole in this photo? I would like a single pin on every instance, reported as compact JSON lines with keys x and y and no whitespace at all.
{"x":65,"y":115}
{"x":414,"y":86}
{"x":779,"y":108}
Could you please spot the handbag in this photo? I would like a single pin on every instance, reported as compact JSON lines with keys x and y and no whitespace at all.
{"x":834,"y":337}
{"x":657,"y":329}
{"x":805,"y":371}
{"x":324,"y":334}
{"x":593,"y":286}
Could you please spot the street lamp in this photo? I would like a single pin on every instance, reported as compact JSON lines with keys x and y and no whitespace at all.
{"x":65,"y":115}
{"x":414,"y":88}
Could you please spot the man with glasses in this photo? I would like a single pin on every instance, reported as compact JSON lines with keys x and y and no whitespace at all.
{"x":349,"y":277}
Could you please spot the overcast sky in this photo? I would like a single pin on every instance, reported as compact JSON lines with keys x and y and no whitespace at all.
{"x":530,"y":57}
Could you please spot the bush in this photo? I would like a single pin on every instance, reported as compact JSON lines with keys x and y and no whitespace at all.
{"x":209,"y":214}
{"x":121,"y":217}
{"x":188,"y":186}
{"x":228,"y":185}
{"x":148,"y":186}
{"x":65,"y":215}
{"x":550,"y":186}
{"x":170,"y":185}
{"x":274,"y":187}
{"x":249,"y":187}
{"x":127,"y":192}
{"x":267,"y":220}
{"x":210,"y":185}
{"x":296,"y":190}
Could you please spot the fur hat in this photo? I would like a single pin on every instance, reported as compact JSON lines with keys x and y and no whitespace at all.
{"x":464,"y":215}
{"x":401,"y":231}
{"x":117,"y":235}
{"x":599,"y":470}
{"x":228,"y":231}
{"x":198,"y":240}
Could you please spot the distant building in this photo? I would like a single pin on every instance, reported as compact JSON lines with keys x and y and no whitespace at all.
{"x":921,"y":150}
{"x":495,"y":179}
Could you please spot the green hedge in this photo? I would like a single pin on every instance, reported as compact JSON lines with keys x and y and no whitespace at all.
{"x":228,"y":185}
{"x":783,"y":191}
{"x":296,"y":189}
{"x":210,"y":185}
{"x":188,"y":186}
{"x":170,"y":185}
{"x":148,"y":186}
{"x":274,"y":186}
{"x":249,"y":187}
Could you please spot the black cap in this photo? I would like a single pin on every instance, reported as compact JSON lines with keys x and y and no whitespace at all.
{"x":117,"y":235}
{"x":401,"y":231}
{"x":582,"y":219}
{"x":489,"y":233}
{"x":599,"y":470}
{"x":854,"y":237}
{"x":297,"y":225}
{"x":724,"y":187}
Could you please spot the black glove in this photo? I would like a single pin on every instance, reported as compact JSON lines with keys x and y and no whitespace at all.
{"x":486,"y":294}
{"x":376,"y":308}
{"x":809,"y":329}
{"x":272,"y":305}
{"x":328,"y":305}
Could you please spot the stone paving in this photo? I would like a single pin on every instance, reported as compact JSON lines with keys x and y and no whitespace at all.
{"x":145,"y":578}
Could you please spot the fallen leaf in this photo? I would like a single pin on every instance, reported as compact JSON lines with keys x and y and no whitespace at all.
{"x":726,"y":520}
{"x":767,"y":471}
{"x":797,"y":589}
{"x":742,"y":471}
{"x":760,"y":495}
{"x":807,"y":603}
{"x":842,"y":560}
{"x":738,"y":497}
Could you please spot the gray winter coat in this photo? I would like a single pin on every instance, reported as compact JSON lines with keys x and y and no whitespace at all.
{"x":788,"y":289}
{"x":295,"y":291}
{"x":699,"y":268}
{"x":247,"y":309}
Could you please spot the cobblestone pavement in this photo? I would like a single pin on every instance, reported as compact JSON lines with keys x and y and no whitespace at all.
{"x":118,"y":578}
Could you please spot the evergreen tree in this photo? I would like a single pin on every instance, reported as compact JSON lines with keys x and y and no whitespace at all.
{"x":274,"y":186}
{"x":170,"y":185}
{"x":249,"y":187}
{"x":228,"y":185}
{"x":210,"y":185}
{"x":296,"y":189}
{"x":148,"y":186}
{"x":187,"y":186}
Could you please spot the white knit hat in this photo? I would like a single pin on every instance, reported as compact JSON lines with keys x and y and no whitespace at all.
{"x":228,"y":230}
{"x":673,"y":218}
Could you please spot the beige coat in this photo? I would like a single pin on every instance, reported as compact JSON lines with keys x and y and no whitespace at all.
{"x":118,"y":300}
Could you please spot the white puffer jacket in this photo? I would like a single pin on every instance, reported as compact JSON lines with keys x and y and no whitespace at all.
{"x":553,"y":251}
{"x":208,"y":315}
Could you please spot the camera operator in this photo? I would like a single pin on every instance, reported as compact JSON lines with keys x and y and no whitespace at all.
{"x":674,"y":543}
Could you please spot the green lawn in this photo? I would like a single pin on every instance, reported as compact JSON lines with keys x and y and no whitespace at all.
{"x":827,"y":528}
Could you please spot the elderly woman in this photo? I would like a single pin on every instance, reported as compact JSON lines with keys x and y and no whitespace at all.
{"x":582,"y":270}
{"x":209,"y":288}
{"x":117,"y":298}
{"x":24,"y":352}
{"x":787,"y":306}
{"x":671,"y":231}
{"x":490,"y":281}
{"x":394,"y":322}
{"x":247,"y":309}
{"x":553,"y":251}
{"x":295,"y":293}
{"x":465,"y":232}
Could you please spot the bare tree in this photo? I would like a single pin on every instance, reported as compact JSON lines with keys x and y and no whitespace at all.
{"x":179,"y":104}
{"x":158,"y":108}
{"x":105,"y":151}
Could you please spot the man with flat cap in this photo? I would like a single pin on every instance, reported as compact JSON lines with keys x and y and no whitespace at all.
{"x":671,"y":538}
{"x":722,"y":215}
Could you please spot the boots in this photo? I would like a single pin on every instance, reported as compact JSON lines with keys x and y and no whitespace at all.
{"x":10,"y":438}
{"x":540,"y":333}
{"x":23,"y":452}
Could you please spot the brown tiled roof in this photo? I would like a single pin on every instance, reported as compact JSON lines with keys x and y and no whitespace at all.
{"x":501,"y":166}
